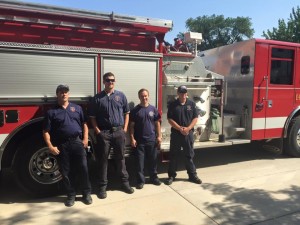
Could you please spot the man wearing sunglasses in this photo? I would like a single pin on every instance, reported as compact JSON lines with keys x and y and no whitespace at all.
{"x":109,"y":117}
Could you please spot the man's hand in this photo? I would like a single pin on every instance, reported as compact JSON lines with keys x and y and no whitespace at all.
{"x":184,"y":131}
{"x":97,"y":131}
{"x":85,"y":142}
{"x":158,"y":143}
{"x":133,"y":143}
{"x":54,"y":150}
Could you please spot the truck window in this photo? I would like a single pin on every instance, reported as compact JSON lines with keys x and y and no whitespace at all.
{"x":282,"y":66}
{"x":245,"y":65}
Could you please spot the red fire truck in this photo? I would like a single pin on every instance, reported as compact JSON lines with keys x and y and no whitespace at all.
{"x":244,"y":92}
{"x":42,"y":46}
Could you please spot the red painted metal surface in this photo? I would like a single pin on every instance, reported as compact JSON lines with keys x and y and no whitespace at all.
{"x":40,"y":26}
{"x":27,"y":23}
{"x":26,"y":113}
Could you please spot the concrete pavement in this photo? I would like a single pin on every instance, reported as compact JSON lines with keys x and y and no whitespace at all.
{"x":240,"y":186}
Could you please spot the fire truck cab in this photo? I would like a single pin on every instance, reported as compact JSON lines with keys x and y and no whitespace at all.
{"x":262,"y":79}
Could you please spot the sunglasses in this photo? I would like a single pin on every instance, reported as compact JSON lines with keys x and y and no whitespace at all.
{"x":109,"y":80}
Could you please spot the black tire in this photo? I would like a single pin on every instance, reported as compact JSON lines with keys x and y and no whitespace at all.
{"x":292,"y":142}
{"x":35,"y":169}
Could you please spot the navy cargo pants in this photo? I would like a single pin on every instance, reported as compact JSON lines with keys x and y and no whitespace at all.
{"x":186,"y":142}
{"x":72,"y":161}
{"x":107,"y":139}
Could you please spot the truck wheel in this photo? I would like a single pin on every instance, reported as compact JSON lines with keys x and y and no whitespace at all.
{"x":292,"y":142}
{"x":35,"y":169}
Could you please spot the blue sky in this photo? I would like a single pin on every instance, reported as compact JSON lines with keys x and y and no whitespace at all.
{"x":264,"y":14}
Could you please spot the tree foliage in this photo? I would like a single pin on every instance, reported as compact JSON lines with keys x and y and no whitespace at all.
{"x":286,"y":31}
{"x":218,"y":31}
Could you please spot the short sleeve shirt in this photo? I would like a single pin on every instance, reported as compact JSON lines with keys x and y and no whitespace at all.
{"x":64,"y":123}
{"x":182,"y":114}
{"x":144,"y":119}
{"x":109,"y":110}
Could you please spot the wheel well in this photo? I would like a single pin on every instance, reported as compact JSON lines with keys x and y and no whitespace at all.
{"x":296,"y":114}
{"x":16,"y":140}
{"x":293,"y":115}
{"x":26,"y":132}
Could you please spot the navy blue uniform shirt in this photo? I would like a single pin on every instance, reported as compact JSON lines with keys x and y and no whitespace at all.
{"x":144,"y":119}
{"x":64,"y":123}
{"x":109,"y":110}
{"x":183,"y":115}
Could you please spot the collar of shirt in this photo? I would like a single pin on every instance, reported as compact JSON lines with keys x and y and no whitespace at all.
{"x":108,"y":94}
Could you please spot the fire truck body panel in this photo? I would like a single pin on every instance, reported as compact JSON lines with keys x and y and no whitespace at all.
{"x":29,"y":77}
{"x":250,"y":69}
{"x":23,"y":122}
{"x":238,"y":89}
{"x":134,"y":72}
{"x":205,"y":87}
{"x":278,"y":96}
{"x":25,"y":84}
{"x":42,"y":46}
{"x":36,"y":23}
{"x":38,"y":72}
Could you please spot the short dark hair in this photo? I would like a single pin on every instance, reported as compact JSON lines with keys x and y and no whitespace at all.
{"x":142,"y":90}
{"x":62,"y":87}
{"x":108,"y":74}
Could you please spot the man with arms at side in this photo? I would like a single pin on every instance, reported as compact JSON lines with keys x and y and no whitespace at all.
{"x":65,"y":132}
{"x":109,"y":117}
{"x":182,"y":116}
{"x":145,"y":135}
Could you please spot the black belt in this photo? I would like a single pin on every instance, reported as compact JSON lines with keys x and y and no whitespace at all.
{"x":77,"y":138}
{"x":73,"y":138}
{"x":112,"y":129}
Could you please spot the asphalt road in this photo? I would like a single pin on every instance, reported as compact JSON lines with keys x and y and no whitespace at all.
{"x":241,"y":185}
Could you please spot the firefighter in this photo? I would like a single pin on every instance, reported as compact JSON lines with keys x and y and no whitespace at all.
{"x":109,"y":117}
{"x":145,"y":137}
{"x":65,"y":132}
{"x":179,"y":45}
{"x":182,"y":116}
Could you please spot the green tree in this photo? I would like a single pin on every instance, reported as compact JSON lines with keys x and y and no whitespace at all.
{"x":286,"y":31}
{"x":218,"y":31}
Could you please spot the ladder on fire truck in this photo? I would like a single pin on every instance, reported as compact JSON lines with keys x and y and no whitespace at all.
{"x":10,"y":5}
{"x":89,"y":28}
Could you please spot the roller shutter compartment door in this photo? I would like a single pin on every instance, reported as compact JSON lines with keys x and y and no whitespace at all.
{"x":37,"y":74}
{"x":131,"y":75}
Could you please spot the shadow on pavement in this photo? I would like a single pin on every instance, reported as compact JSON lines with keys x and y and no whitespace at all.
{"x":251,"y":206}
{"x":65,"y":216}
{"x":223,"y":155}
{"x":233,"y":205}
{"x":10,"y":192}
